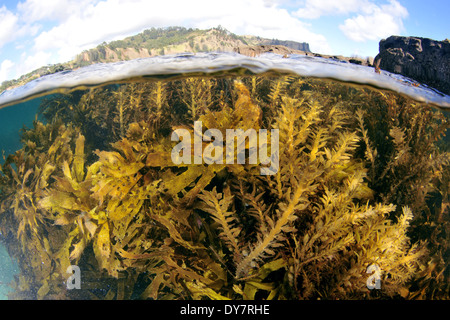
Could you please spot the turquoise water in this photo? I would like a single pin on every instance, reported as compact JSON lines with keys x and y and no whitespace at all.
{"x":8,"y":269}
{"x":12,"y":119}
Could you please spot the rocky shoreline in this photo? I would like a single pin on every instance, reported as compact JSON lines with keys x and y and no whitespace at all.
{"x":254,"y":51}
{"x":424,"y":60}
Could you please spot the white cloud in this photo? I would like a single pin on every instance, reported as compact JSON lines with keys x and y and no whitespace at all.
{"x":32,"y":62}
{"x":55,"y":10}
{"x":8,"y":25}
{"x":5,"y":69}
{"x":314,"y":9}
{"x":372,"y":21}
{"x":376,"y":22}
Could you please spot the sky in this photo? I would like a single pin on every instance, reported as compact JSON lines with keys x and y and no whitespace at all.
{"x":36,"y":33}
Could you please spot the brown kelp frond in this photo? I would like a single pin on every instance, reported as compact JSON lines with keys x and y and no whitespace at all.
{"x":285,"y":214}
{"x":217,"y":204}
{"x":196,"y":94}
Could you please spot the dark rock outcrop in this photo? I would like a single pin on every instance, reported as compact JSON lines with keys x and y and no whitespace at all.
{"x":424,"y":60}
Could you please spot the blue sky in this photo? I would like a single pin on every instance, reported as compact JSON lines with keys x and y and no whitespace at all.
{"x":35,"y":33}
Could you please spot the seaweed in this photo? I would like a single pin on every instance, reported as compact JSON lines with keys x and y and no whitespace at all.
{"x":362,"y":182}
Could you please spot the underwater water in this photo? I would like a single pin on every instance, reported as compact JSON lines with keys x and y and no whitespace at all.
{"x":219,"y":176}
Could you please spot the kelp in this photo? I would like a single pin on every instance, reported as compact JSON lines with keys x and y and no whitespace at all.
{"x":362,"y":182}
{"x":25,"y":175}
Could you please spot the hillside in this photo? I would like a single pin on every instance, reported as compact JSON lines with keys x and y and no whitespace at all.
{"x":153,"y":42}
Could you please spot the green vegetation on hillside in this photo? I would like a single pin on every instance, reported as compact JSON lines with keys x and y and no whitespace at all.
{"x":155,"y":38}
{"x":159,"y":39}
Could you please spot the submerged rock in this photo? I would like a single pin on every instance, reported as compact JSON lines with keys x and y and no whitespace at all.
{"x":422,"y":59}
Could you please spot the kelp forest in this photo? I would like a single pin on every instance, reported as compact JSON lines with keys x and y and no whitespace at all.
{"x":362,"y":185}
